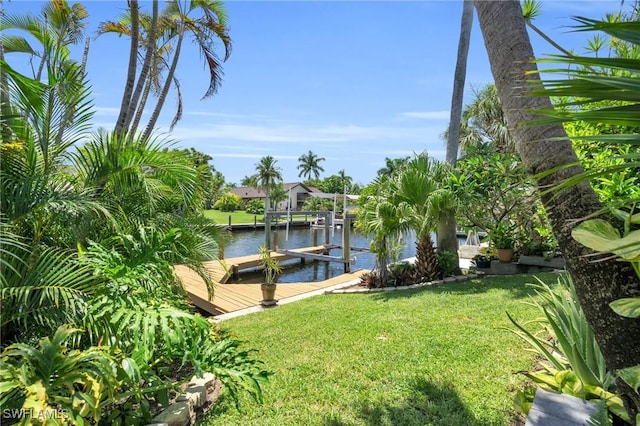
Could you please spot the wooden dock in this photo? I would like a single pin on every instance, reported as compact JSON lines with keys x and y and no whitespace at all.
{"x":233,"y":297}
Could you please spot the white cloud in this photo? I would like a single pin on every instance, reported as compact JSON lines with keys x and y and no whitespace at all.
{"x":300,"y":133}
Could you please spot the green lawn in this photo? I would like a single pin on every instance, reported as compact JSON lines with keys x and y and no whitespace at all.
{"x":222,"y":218}
{"x":436,"y":356}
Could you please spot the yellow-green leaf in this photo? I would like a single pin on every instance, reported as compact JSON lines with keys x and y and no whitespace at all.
{"x":628,"y":307}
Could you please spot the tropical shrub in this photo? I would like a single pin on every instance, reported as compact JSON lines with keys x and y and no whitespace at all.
{"x":54,"y":383}
{"x":89,"y":237}
{"x":317,"y":204}
{"x":494,"y":188}
{"x":227,"y":203}
{"x":447,"y":262}
{"x":402,"y":273}
{"x":595,"y":100}
{"x":255,"y":207}
{"x":572,"y":360}
{"x":370,"y":280}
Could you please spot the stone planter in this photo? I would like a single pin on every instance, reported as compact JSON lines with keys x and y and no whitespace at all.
{"x":552,"y":262}
{"x":483,"y":263}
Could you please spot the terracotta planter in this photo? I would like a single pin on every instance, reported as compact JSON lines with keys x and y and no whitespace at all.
{"x":505,"y":255}
{"x":268,"y":294}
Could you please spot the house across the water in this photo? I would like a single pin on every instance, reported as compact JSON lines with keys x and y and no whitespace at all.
{"x":299,"y":193}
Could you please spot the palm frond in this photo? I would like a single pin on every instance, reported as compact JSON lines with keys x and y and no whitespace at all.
{"x":43,"y":289}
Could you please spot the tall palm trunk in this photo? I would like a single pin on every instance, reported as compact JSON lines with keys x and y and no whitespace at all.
{"x":5,"y":129}
{"x":267,"y":221}
{"x":458,"y":83}
{"x":140,"y":109}
{"x":131,"y":71}
{"x":446,"y":236}
{"x":165,"y":89}
{"x":146,"y":65}
{"x":597,"y":284}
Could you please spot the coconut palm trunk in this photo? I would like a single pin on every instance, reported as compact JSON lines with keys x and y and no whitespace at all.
{"x":165,"y":89}
{"x":146,"y":65}
{"x":597,"y":284}
{"x":446,"y":236}
{"x":131,"y":71}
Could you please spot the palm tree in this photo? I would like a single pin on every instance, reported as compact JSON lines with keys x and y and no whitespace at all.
{"x":251,"y":180}
{"x":58,"y":27}
{"x":447,"y":227}
{"x":310,"y":165}
{"x":412,"y":199}
{"x":458,"y":83}
{"x":268,"y":175}
{"x":483,"y":123}
{"x":161,"y":35}
{"x":391,"y":165}
{"x":379,"y":218}
{"x":58,"y":111}
{"x":422,"y":200}
{"x":531,"y":10}
{"x":131,"y":70}
{"x":546,"y":148}
{"x":212,"y":25}
{"x":346,"y":180}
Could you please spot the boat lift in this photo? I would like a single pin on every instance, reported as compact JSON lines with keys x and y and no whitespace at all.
{"x":346,"y":237}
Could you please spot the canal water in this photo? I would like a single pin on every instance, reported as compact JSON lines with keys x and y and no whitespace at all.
{"x":248,"y":242}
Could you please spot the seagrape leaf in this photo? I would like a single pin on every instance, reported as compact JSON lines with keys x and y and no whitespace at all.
{"x":628,"y":307}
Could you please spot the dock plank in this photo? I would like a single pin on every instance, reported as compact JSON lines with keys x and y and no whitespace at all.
{"x":233,"y":297}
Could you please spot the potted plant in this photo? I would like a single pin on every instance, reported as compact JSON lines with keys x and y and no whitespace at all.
{"x":271,"y":268}
{"x":482,"y":260}
{"x":503,"y":238}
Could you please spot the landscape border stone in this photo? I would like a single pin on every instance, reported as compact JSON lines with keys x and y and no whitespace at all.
{"x":199,"y":396}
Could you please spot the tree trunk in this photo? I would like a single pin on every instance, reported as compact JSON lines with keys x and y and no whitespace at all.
{"x":458,"y":83}
{"x":5,"y":106}
{"x":146,"y":65}
{"x":131,"y":71}
{"x":597,"y":284}
{"x":143,"y":101}
{"x":446,"y":235}
{"x":165,"y":89}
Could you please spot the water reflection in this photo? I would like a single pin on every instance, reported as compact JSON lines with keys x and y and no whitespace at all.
{"x":247,"y":242}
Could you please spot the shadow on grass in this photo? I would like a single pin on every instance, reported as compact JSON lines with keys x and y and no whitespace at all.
{"x":515,"y":285}
{"x":430,"y":403}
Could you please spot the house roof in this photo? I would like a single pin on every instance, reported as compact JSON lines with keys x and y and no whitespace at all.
{"x":253,"y":192}
{"x":248,"y":192}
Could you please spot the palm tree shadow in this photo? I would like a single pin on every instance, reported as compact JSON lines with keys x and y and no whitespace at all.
{"x":429,"y":403}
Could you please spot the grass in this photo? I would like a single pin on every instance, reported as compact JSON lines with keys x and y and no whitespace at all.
{"x":222,"y":218}
{"x":238,"y":217}
{"x":436,"y":356}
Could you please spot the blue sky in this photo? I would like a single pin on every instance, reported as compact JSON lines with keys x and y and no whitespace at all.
{"x":353,"y":81}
